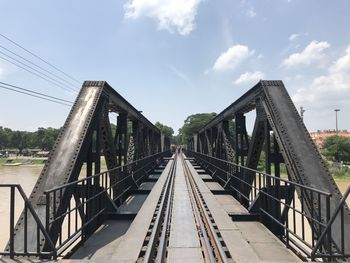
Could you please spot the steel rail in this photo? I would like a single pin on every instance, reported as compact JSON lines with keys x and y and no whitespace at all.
{"x":208,"y":252}
{"x":161,"y":252}
{"x":161,"y":222}
{"x":216,"y":252}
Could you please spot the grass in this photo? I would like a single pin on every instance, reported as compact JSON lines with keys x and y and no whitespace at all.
{"x":340,"y":173}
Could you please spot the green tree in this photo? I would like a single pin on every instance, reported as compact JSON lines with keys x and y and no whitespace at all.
{"x":176,"y":139}
{"x":337,"y":148}
{"x":21,"y":140}
{"x":193,"y":124}
{"x":8,"y":134}
{"x":45,"y":138}
{"x":5,"y":137}
{"x":164,"y":129}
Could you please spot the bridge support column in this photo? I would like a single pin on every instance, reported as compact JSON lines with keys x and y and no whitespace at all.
{"x":241,"y":147}
{"x":122,"y":138}
{"x":162,"y":142}
{"x":195,"y":142}
{"x":93,"y":166}
{"x":136,"y":136}
{"x":242,"y":142}
{"x":273,"y":156}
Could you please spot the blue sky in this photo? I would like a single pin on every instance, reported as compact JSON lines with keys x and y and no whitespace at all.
{"x":173,"y":58}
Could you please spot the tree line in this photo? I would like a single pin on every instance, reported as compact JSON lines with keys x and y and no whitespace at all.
{"x":43,"y":138}
{"x":335,"y":148}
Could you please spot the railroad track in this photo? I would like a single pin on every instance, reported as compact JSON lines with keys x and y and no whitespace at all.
{"x":213,"y":246}
{"x":156,"y":242}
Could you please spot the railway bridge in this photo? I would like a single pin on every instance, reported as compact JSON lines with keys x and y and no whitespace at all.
{"x":212,"y":200}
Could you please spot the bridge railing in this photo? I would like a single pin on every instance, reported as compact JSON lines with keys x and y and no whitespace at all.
{"x":16,"y":193}
{"x":290,"y":210}
{"x":341,"y":252}
{"x":92,"y":198}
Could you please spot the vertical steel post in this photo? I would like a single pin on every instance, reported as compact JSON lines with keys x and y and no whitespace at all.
{"x":122,"y":127}
{"x":329,"y":232}
{"x":195,"y":142}
{"x":162,"y":142}
{"x":336,"y":120}
{"x":12,"y":221}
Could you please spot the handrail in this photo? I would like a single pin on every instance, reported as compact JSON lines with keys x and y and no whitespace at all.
{"x":51,"y":249}
{"x":99,"y":174}
{"x":330,"y":222}
{"x":273,"y":199}
{"x":268,"y":175}
{"x":97,"y":188}
{"x":35,"y":216}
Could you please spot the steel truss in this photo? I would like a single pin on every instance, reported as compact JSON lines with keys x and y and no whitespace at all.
{"x":280,"y":133}
{"x":85,"y":137}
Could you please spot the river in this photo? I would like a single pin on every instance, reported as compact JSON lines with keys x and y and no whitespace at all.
{"x":26,"y":176}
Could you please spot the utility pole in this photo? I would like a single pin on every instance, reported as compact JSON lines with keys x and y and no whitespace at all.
{"x":302,"y":113}
{"x":336,"y":120}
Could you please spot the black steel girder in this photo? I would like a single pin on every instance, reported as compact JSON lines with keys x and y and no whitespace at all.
{"x":292,"y":145}
{"x":84,"y":138}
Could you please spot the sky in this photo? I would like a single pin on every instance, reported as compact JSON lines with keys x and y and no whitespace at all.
{"x":174,"y":58}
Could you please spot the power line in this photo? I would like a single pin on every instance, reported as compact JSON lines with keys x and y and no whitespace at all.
{"x":52,"y":82}
{"x":38,"y":93}
{"x":38,"y":57}
{"x":32,"y":95}
{"x":39,"y":72}
{"x":27,"y":60}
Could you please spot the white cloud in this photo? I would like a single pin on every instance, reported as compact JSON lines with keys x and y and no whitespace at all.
{"x":249,"y":9}
{"x":249,"y":77}
{"x":294,"y":37}
{"x":251,"y":12}
{"x":332,"y":89}
{"x":226,"y":31}
{"x":314,"y":52}
{"x":172,"y":15}
{"x":232,"y":57}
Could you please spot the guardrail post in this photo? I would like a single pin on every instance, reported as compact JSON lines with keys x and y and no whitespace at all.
{"x":287,"y":229}
{"x":329,"y":231}
{"x":12,"y":221}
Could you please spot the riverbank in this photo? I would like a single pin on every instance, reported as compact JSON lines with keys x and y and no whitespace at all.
{"x":30,"y":161}
{"x":23,"y":161}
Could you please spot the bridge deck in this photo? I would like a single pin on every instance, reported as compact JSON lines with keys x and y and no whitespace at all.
{"x":127,"y":243}
{"x":184,"y":244}
{"x":245,"y":241}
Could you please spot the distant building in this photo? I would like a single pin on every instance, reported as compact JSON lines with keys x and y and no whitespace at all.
{"x":319,"y":136}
